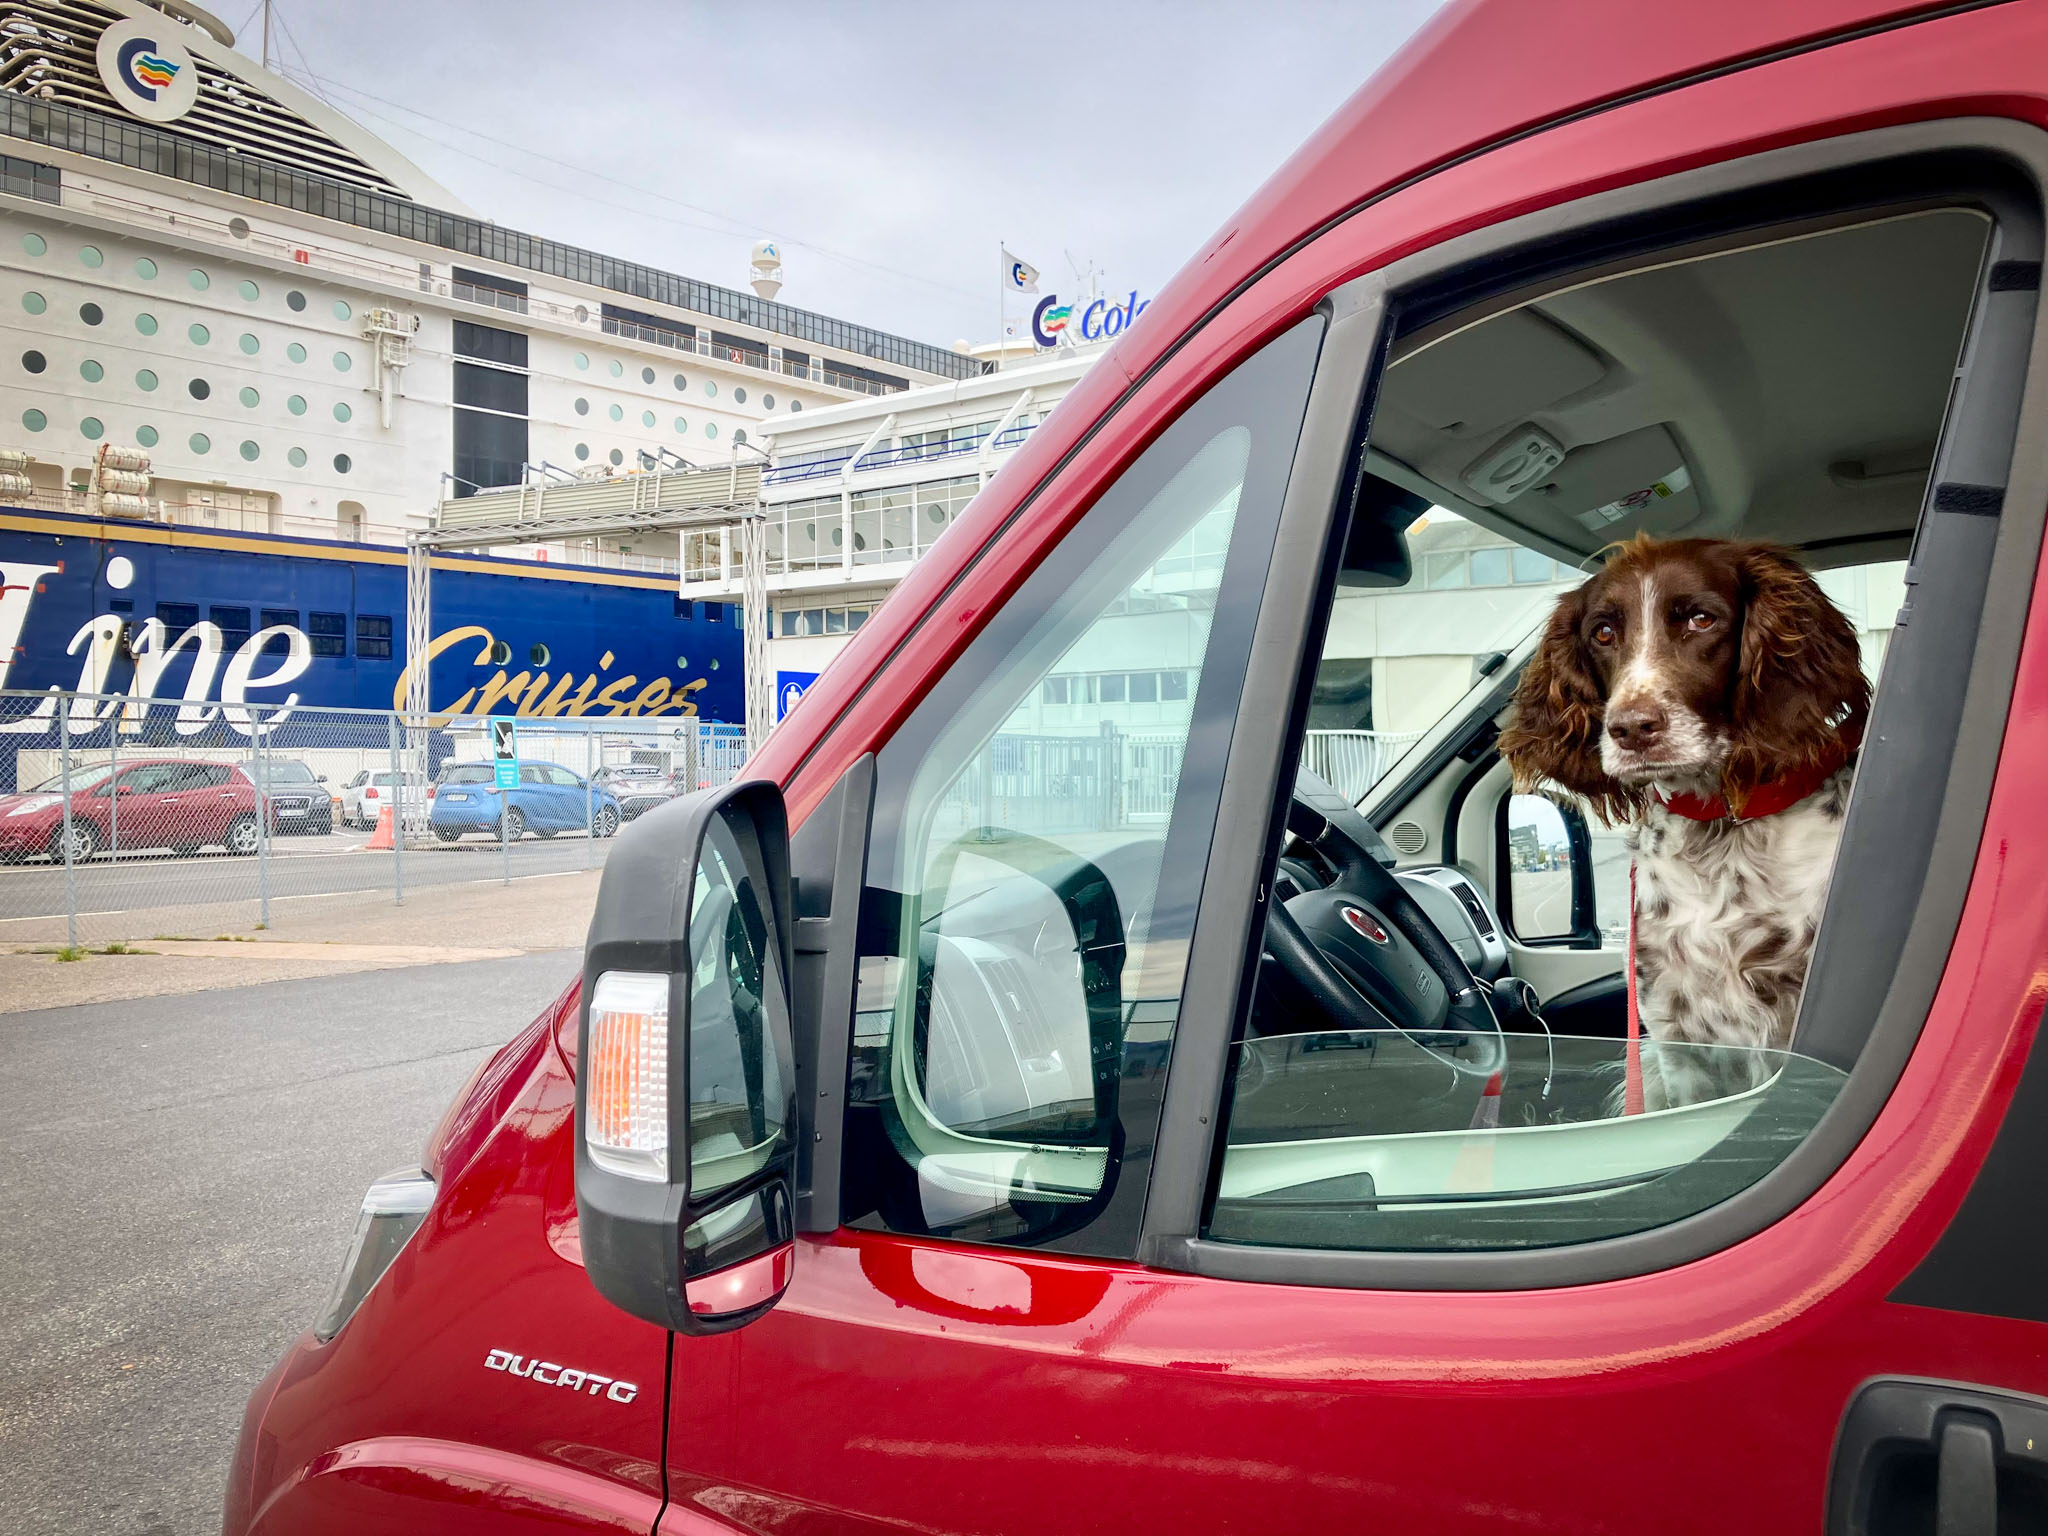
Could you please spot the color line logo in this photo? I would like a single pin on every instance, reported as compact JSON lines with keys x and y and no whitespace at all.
{"x":146,"y":70}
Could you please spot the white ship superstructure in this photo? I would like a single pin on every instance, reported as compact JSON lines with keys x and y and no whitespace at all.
{"x":303,"y":333}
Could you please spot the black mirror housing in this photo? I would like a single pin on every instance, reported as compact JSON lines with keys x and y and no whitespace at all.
{"x":685,"y":1093}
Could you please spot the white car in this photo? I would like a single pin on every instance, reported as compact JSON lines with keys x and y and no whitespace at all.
{"x":370,"y":791}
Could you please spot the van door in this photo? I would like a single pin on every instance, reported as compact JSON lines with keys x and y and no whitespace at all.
{"x":1132,"y":1237}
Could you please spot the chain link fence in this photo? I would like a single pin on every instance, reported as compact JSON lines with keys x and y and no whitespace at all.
{"x":124,"y":817}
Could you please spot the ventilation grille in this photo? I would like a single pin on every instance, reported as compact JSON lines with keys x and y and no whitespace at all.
{"x":1408,"y":838}
{"x":47,"y":54}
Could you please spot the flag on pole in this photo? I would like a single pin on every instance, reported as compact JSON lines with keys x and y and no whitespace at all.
{"x":1020,"y":275}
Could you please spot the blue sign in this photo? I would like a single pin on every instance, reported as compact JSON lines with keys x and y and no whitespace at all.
{"x":505,"y":752}
{"x":790,"y":688}
{"x":1099,"y":320}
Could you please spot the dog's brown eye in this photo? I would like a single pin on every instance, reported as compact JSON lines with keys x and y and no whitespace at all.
{"x":1700,"y":623}
{"x":1604,"y":634}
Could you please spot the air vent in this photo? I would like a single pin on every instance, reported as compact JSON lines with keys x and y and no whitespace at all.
{"x":1408,"y":838}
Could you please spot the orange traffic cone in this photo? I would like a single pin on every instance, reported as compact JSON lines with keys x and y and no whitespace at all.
{"x":381,"y":838}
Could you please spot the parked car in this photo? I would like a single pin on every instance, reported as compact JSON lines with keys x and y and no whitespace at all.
{"x":638,"y":795}
{"x":183,"y":804}
{"x":550,"y":799}
{"x":854,"y":1187}
{"x":300,"y":804}
{"x":369,"y":792}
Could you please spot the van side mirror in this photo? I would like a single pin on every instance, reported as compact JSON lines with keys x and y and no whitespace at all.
{"x":686,"y":1093}
{"x":1546,"y":862}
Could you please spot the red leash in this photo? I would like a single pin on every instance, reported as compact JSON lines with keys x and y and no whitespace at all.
{"x":1632,"y":1089}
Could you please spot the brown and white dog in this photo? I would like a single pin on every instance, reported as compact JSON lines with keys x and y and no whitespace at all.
{"x":1710,"y":696}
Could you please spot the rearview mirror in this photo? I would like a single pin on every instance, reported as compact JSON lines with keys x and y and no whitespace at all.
{"x":685,"y":1097}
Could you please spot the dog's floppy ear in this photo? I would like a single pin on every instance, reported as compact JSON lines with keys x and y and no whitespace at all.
{"x":1799,"y":686}
{"x":1559,"y":713}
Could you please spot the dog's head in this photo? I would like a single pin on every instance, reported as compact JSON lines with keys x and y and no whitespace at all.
{"x":1686,"y":664}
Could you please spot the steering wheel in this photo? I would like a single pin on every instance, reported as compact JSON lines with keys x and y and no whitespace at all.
{"x":1365,"y":951}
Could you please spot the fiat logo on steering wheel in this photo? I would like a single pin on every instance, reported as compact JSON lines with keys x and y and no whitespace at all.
{"x":1362,"y":921}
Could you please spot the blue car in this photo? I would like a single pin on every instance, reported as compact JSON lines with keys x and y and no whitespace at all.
{"x":549,"y":799}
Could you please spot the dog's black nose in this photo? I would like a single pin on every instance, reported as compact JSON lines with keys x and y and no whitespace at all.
{"x":1636,"y":727}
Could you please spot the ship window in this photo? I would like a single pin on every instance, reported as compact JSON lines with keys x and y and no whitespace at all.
{"x":327,"y":631}
{"x":250,"y":451}
{"x":711,"y":429}
{"x":682,"y":382}
{"x":91,"y":314}
{"x":646,"y":375}
{"x":491,"y":389}
{"x":343,"y":362}
{"x":647,"y":418}
{"x":500,"y":654}
{"x":616,"y":457}
{"x":145,"y":269}
{"x":682,"y":425}
{"x":145,"y":379}
{"x":537,"y":655}
{"x":34,"y":244}
{"x":34,"y":419}
{"x":89,"y":255}
{"x":250,"y":398}
{"x":618,"y":369}
{"x":490,"y":344}
{"x":341,"y":309}
{"x":249,"y":344}
{"x":341,"y":410}
{"x":248,"y":290}
{"x":295,"y":301}
{"x":796,"y":405}
{"x":341,"y":464}
{"x":295,"y":352}
{"x":582,"y":406}
{"x":199,"y":389}
{"x":146,"y":435}
{"x":296,"y":404}
{"x":198,"y":333}
{"x":767,"y":402}
{"x":740,"y":436}
{"x":91,"y":429}
{"x":146,"y":324}
{"x":490,"y":448}
{"x":583,"y":450}
{"x":34,"y":362}
{"x":711,"y":389}
{"x":739,"y":396}
{"x":297,"y":458}
{"x":373,"y":637}
{"x":176,"y":618}
{"x":199,"y":279}
{"x":34,"y":302}
{"x":582,"y":360}
{"x":91,"y":371}
{"x":617,"y":413}
{"x":200,"y":443}
{"x":275,"y":618}
{"x":234,"y":626}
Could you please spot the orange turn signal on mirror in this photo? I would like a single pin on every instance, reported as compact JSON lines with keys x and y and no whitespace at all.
{"x":625,"y":1122}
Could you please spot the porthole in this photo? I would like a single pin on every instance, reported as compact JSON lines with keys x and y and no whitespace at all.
{"x":198,"y":333}
{"x":537,"y":655}
{"x":145,"y":378}
{"x":91,"y":371}
{"x":582,"y":406}
{"x":249,"y":291}
{"x":682,"y":424}
{"x":681,"y":382}
{"x":583,"y":450}
{"x":91,"y":313}
{"x":582,"y":360}
{"x":739,"y":396}
{"x":34,"y":362}
{"x":682,"y":663}
{"x":145,"y":269}
{"x":250,"y":398}
{"x":200,"y":443}
{"x":796,"y":405}
{"x":618,"y":369}
{"x":341,"y":309}
{"x":146,"y":435}
{"x":740,"y":436}
{"x":90,"y":256}
{"x":617,"y":413}
{"x":767,"y":402}
{"x":341,"y":464}
{"x":92,"y":429}
{"x":249,"y":344}
{"x":34,"y":303}
{"x":146,"y":324}
{"x":711,"y":389}
{"x":34,"y":419}
{"x":714,"y":663}
{"x":647,"y":418}
{"x":616,"y":457}
{"x":341,"y":411}
{"x":582,"y":314}
{"x":646,"y":375}
{"x":296,"y":404}
{"x":199,"y":389}
{"x":239,"y":228}
{"x":711,"y":429}
{"x":295,"y":352}
{"x":34,"y":244}
{"x":297,"y":458}
{"x":343,"y":362}
{"x":501,"y":653}
{"x":250,"y":451}
{"x":295,"y":301}
{"x":201,"y":282}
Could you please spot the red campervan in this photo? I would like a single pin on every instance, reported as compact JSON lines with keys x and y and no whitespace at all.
{"x":973,"y":1121}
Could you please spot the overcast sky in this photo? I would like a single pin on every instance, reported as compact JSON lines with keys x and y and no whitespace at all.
{"x":889,"y":145}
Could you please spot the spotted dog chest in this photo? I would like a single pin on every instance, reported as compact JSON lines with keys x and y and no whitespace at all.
{"x":1725,"y":915}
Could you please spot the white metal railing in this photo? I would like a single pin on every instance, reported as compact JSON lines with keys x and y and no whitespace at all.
{"x":1354,"y":761}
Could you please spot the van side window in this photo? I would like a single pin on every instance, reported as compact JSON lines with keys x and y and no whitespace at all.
{"x":1036,"y":855}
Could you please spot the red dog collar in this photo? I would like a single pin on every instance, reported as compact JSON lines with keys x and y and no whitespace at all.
{"x":1766,"y":799}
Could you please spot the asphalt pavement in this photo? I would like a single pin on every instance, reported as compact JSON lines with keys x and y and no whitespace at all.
{"x":178,"y":1181}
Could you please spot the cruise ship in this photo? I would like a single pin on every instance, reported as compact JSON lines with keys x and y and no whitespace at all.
{"x":249,"y":349}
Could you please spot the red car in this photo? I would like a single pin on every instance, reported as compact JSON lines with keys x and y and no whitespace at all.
{"x":945,"y":1134}
{"x":179,"y":803}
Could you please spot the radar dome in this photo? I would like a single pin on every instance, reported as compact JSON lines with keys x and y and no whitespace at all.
{"x":766,"y":265}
